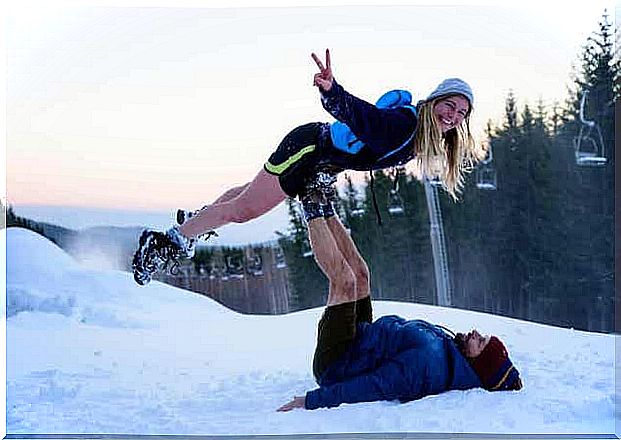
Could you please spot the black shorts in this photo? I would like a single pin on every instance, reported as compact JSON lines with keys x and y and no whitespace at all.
{"x":336,"y":331}
{"x":297,"y":157}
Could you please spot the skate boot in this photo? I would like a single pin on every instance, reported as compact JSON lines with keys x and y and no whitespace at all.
{"x":156,"y":250}
{"x":322,"y":185}
{"x":182,"y":216}
{"x":318,"y":194}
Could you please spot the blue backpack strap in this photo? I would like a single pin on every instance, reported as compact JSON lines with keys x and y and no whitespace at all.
{"x":409,"y":139}
{"x":394,"y":99}
{"x":345,"y":140}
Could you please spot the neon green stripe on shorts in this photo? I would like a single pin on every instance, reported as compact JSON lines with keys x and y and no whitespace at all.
{"x":279,"y":169}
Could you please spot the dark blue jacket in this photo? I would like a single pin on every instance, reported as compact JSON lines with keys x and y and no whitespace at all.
{"x":394,"y":359}
{"x":383,"y":130}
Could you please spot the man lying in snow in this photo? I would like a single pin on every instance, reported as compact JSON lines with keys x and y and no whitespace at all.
{"x":357,"y":360}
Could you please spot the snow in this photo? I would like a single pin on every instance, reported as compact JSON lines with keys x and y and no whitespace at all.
{"x":89,"y":351}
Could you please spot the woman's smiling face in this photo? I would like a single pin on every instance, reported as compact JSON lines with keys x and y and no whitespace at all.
{"x":451,"y":111}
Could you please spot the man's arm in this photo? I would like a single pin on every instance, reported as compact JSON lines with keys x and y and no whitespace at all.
{"x":390,"y":381}
{"x":297,"y":402}
{"x":387,"y":382}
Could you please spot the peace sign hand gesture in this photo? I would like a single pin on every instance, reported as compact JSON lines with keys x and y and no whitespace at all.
{"x":324,"y":78}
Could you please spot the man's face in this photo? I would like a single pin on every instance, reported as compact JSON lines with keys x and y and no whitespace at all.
{"x":473,"y":343}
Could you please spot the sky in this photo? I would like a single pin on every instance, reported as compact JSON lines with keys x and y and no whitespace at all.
{"x":91,"y":352}
{"x":151,"y":105}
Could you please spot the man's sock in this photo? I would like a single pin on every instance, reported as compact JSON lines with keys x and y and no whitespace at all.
{"x":328,"y":210}
{"x":312,"y":210}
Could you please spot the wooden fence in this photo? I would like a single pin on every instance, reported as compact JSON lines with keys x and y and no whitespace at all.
{"x":256,"y":282}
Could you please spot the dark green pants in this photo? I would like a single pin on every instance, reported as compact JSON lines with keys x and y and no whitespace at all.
{"x":336,"y":331}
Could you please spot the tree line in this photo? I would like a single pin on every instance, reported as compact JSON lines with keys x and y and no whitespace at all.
{"x":539,"y":246}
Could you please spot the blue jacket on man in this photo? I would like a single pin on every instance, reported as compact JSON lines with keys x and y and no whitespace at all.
{"x":394,"y":359}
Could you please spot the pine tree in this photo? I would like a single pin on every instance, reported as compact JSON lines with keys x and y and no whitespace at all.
{"x":349,"y":203}
{"x":588,"y":195}
{"x":508,"y":226}
{"x":510,"y":112}
{"x":309,"y":286}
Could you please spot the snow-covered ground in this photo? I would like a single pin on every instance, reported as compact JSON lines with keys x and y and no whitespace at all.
{"x":88,"y":351}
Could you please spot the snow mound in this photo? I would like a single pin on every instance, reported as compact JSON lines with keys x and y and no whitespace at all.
{"x":42,"y":278}
{"x":89,"y":351}
{"x":29,"y":252}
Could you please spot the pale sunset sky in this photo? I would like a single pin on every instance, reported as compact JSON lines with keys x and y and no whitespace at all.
{"x":152,"y":106}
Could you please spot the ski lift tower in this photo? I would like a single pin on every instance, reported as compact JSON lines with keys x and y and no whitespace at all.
{"x":438,"y":245}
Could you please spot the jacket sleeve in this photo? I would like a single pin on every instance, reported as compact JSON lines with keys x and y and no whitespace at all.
{"x":380,"y":129}
{"x":390,"y":381}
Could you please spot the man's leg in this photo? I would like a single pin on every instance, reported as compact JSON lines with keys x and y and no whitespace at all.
{"x":332,"y":262}
{"x":364,"y":312}
{"x":348,"y":248}
{"x":258,"y":197}
{"x":337,"y":326}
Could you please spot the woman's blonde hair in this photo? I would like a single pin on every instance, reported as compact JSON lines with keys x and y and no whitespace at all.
{"x":447,"y":156}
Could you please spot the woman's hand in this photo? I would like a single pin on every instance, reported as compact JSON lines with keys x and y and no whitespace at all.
{"x":297,"y":402}
{"x":324,"y":78}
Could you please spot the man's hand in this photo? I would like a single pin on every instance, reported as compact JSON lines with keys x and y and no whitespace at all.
{"x":324,"y":78}
{"x":297,"y":402}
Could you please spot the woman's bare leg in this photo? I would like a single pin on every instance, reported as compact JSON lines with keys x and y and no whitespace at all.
{"x":348,"y":248}
{"x":332,"y":262}
{"x":225,"y":197}
{"x":231,"y":193}
{"x":258,"y":197}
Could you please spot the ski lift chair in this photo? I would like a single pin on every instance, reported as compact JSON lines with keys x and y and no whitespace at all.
{"x":223,"y":273}
{"x":279,"y":257}
{"x":395,"y":202}
{"x":486,"y":178}
{"x":307,"y":251}
{"x":435,"y":181}
{"x":254,"y":264}
{"x":213,"y":271}
{"x":486,"y":173}
{"x":589,"y":149}
{"x":234,"y":267}
{"x":358,"y":210}
{"x":589,"y":143}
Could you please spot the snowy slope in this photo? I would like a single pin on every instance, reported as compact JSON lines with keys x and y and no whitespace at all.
{"x":88,"y":351}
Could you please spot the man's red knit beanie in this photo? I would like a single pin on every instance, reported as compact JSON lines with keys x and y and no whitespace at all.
{"x":495,"y":369}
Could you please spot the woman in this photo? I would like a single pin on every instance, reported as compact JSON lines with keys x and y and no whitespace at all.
{"x":435,"y":134}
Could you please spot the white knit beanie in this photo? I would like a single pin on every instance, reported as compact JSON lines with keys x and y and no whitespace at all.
{"x":452,"y":86}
